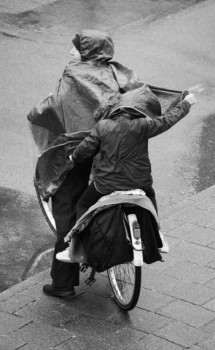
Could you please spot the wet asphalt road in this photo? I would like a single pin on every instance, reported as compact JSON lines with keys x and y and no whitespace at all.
{"x":22,"y":234}
{"x":32,"y":61}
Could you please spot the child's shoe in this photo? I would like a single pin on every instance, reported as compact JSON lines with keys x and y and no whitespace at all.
{"x":64,"y":256}
{"x":74,"y":253}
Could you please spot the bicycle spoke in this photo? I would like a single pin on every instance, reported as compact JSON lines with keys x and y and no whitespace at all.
{"x":122,"y":279}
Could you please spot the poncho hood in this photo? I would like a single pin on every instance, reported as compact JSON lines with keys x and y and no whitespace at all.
{"x":141,"y":101}
{"x":96,"y":46}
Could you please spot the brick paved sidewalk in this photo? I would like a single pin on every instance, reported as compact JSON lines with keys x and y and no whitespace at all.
{"x":176,"y":309}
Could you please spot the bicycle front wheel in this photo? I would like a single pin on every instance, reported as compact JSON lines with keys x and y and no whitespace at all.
{"x":46,"y":208}
{"x":125,"y":281}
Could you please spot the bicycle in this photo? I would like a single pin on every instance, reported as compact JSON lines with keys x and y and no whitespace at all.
{"x":125,"y":279}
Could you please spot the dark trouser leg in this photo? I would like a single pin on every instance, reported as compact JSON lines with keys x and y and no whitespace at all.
{"x":64,"y":275}
{"x":64,"y":202}
{"x":89,"y":197}
{"x":150,"y":235}
{"x":151,"y":195}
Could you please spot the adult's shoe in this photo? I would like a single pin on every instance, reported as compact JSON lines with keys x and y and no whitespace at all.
{"x":48,"y":289}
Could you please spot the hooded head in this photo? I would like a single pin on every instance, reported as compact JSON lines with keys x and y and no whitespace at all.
{"x":138,"y":102}
{"x":94,"y":46}
{"x":76,"y":42}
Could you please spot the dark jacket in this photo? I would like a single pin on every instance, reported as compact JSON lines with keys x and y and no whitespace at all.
{"x":123,"y":144}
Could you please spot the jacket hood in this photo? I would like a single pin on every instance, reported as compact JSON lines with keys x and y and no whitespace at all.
{"x":96,"y":46}
{"x":138,"y":101}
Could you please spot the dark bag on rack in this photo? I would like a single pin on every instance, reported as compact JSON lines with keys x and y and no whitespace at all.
{"x":104,"y":240}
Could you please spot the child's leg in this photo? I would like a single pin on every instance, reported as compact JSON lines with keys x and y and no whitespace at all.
{"x":75,"y":251}
{"x":89,"y":197}
{"x":151,"y":194}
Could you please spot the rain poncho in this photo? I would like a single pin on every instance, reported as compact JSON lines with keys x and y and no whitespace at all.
{"x":86,"y":92}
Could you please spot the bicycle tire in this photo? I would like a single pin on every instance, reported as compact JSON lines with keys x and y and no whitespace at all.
{"x":125,"y":281}
{"x":46,"y":210}
{"x":35,"y":260}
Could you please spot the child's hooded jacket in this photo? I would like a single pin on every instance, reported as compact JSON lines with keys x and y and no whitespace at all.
{"x":122,"y":141}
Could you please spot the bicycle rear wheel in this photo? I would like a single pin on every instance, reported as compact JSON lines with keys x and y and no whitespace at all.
{"x":125,"y":281}
{"x":46,"y":208}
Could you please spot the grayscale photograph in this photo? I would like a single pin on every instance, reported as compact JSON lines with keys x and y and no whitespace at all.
{"x":107,"y":177}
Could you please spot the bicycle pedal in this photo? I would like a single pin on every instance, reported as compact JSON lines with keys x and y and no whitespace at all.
{"x":89,"y":282}
{"x":84,"y":267}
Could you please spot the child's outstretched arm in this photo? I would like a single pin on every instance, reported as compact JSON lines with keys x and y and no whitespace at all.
{"x":161,"y":124}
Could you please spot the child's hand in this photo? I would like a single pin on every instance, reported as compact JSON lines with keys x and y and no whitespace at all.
{"x":71,"y":162}
{"x":190,"y":98}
